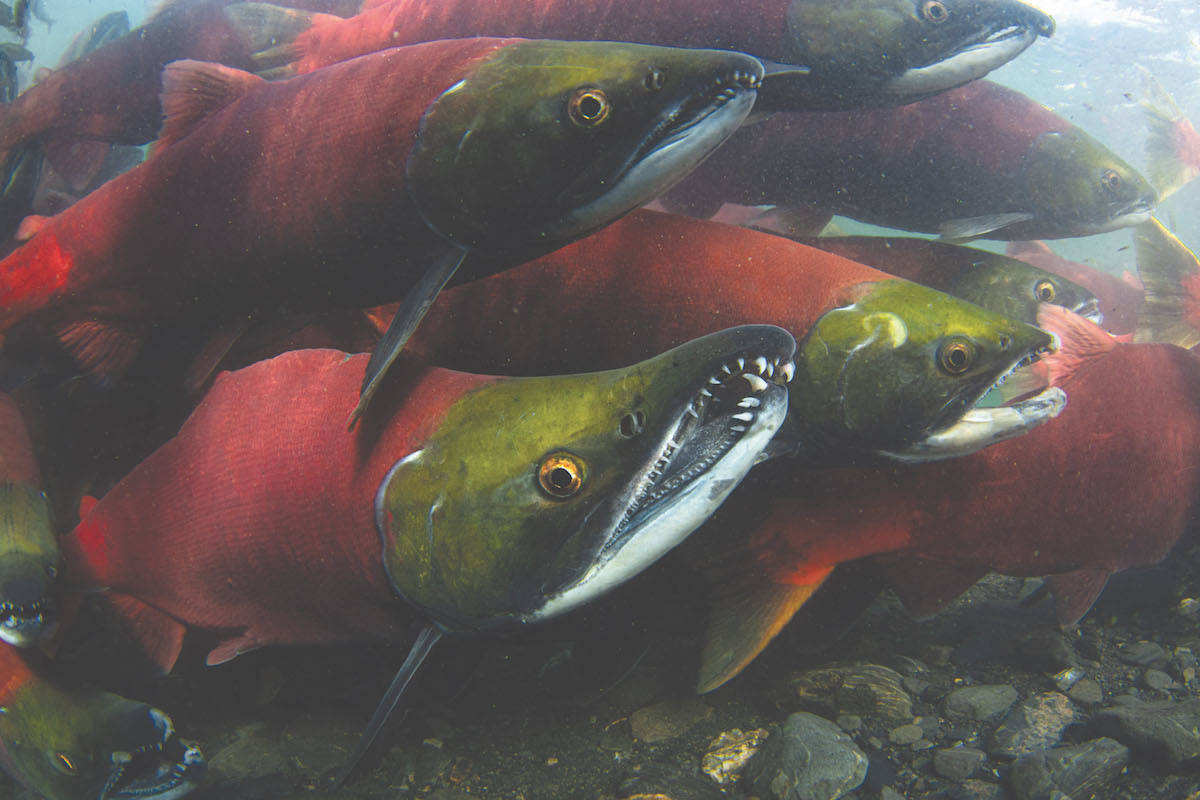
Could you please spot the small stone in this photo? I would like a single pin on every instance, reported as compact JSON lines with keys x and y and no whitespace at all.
{"x":1143,"y":654}
{"x":1086,"y":691}
{"x":668,"y":719}
{"x":981,"y":703}
{"x":862,"y":689}
{"x":1068,"y":677}
{"x":915,"y":686}
{"x":849,"y":722}
{"x":958,"y":763}
{"x":975,"y":789}
{"x":1167,"y":732}
{"x":888,"y":793}
{"x":808,"y":758}
{"x":551,"y":761}
{"x":1082,"y":770}
{"x":905,"y":734}
{"x":1158,"y":680}
{"x":1036,"y":723}
{"x":729,"y":753}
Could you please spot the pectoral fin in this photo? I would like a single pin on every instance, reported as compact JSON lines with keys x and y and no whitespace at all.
{"x":426,"y":639}
{"x":104,"y":348}
{"x":749,"y":610}
{"x":410,"y":313}
{"x":958,"y":230}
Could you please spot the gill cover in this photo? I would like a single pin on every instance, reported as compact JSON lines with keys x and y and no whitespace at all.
{"x":882,"y":372}
{"x":542,"y":129}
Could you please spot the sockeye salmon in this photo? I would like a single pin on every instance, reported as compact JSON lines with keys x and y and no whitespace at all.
{"x":980,"y":160}
{"x":824,"y":56}
{"x":75,"y":743}
{"x":497,"y":501}
{"x":358,"y":184}
{"x":1120,"y":297}
{"x":919,"y":360}
{"x":29,"y":555}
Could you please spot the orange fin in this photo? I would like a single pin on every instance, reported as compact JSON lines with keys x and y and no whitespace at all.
{"x":1080,"y":341}
{"x":230,"y":649}
{"x":926,"y":587}
{"x":103,"y":348}
{"x":749,"y":610}
{"x":159,"y":634}
{"x":1170,"y":273}
{"x":192,"y":90}
{"x":1075,"y":592}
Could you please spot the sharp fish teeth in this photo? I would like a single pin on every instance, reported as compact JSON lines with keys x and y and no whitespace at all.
{"x":745,"y":416}
{"x":750,"y":402}
{"x":788,"y":370}
{"x":760,"y":364}
{"x":756,"y":383}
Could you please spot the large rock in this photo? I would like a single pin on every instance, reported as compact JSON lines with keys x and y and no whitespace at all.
{"x":1036,"y":723}
{"x":867,"y":690}
{"x":1082,"y":770}
{"x":1166,"y":732}
{"x":668,"y":719}
{"x":808,"y":758}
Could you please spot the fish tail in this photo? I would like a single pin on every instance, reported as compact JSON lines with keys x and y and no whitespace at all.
{"x":1170,"y":273}
{"x":1172,"y":143}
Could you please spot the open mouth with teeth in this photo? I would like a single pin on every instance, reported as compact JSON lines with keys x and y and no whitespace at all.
{"x":997,"y":413}
{"x":165,"y":769}
{"x":21,"y":625}
{"x":680,"y":139}
{"x":718,"y":435}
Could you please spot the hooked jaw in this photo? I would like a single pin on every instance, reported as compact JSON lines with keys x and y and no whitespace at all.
{"x":683,"y":136}
{"x":718,"y":436}
{"x":28,"y":611}
{"x":167,"y":768}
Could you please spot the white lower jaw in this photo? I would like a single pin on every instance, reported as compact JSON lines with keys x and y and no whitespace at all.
{"x":1116,"y":223}
{"x":980,"y":427}
{"x":659,"y":170}
{"x":674,"y":519}
{"x":968,"y":65}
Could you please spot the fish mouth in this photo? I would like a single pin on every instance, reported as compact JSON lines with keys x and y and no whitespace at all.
{"x":26,"y":624}
{"x":1134,"y":214}
{"x":979,"y":426}
{"x":681,"y":137}
{"x":717,"y":436}
{"x":1090,"y":310}
{"x":975,"y":58}
{"x":166,"y":769}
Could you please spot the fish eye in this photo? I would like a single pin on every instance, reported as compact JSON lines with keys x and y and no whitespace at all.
{"x":63,"y":763}
{"x":1044,"y":292}
{"x":935,"y":11}
{"x":632,"y":424}
{"x":561,"y":475}
{"x":1110,"y":180}
{"x":955,"y":357}
{"x":655,"y":79}
{"x":589,"y":107}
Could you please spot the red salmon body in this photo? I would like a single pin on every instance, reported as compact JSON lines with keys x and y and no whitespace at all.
{"x":293,"y":191}
{"x":257,"y":519}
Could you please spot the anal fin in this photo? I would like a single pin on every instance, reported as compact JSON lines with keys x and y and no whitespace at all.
{"x":159,"y":634}
{"x":926,"y":587}
{"x":1075,"y":592}
{"x":749,"y":610}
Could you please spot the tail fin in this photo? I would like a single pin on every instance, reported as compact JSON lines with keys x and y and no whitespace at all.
{"x":1171,"y":274}
{"x":1172,"y":144}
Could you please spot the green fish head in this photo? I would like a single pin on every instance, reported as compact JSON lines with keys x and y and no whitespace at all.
{"x":29,"y":566}
{"x":536,"y":495}
{"x":892,"y":52}
{"x":1013,"y":289}
{"x":80,"y":743}
{"x":1079,"y":187}
{"x":546,"y":141}
{"x":899,"y":372}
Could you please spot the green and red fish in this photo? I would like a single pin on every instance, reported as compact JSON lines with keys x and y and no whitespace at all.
{"x":822,"y":56}
{"x":1120,"y":297}
{"x":75,"y":743}
{"x":887,"y":370}
{"x":980,"y":160}
{"x":365,"y":182}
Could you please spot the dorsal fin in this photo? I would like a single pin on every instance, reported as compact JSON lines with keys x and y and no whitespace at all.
{"x":192,"y":90}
